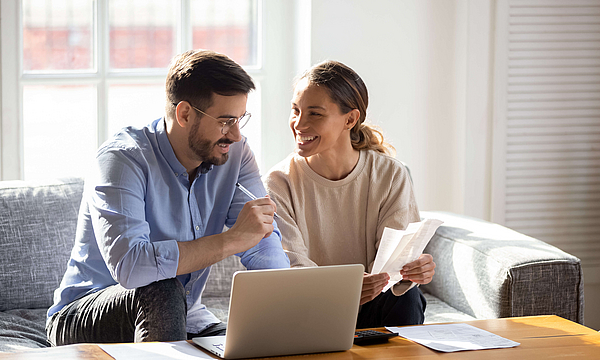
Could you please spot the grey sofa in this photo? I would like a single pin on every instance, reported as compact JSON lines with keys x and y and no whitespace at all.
{"x":483,"y":270}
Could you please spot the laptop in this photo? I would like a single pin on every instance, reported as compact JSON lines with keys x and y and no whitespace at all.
{"x":289,"y":312}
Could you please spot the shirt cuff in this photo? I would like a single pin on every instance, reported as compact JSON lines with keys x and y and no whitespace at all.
{"x":166,"y":254}
{"x":402,"y":287}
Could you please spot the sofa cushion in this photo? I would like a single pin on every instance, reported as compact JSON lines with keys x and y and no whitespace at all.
{"x":37,"y":231}
{"x":22,"y":329}
{"x":438,"y":311}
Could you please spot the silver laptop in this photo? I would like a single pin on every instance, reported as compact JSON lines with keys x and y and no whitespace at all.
{"x":290,"y":312}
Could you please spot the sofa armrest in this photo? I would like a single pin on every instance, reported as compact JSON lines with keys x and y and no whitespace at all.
{"x":489,"y":271}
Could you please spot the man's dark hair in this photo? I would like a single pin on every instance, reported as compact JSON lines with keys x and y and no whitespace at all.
{"x":196,"y":74}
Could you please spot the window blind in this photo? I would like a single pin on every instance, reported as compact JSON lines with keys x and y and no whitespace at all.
{"x":547,"y":123}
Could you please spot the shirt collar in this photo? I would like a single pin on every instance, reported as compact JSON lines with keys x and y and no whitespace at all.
{"x":166,"y":149}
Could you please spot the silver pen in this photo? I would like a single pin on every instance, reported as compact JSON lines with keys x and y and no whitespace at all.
{"x":250,"y":195}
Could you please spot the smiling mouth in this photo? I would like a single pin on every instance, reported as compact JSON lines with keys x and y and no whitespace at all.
{"x":305,"y":139}
{"x":224,"y":142}
{"x":223,"y":146}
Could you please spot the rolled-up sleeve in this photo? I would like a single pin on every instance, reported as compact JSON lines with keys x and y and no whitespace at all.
{"x":117,"y":211}
{"x":268,"y":254}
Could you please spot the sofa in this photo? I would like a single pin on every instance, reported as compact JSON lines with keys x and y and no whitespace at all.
{"x":483,"y":270}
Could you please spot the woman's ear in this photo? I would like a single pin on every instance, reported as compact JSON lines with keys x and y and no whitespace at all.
{"x":184,"y":114}
{"x":352,"y":118}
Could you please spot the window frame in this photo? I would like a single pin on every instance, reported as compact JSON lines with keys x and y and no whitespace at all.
{"x":13,"y":78}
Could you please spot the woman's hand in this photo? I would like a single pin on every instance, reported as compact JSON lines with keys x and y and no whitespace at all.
{"x":372,"y":286}
{"x":419,"y":271}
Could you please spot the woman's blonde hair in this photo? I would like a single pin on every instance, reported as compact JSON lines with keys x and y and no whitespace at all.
{"x":349,"y":92}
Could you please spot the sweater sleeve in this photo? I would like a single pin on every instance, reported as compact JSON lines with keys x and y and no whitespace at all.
{"x":278,"y":187}
{"x":397,"y":212}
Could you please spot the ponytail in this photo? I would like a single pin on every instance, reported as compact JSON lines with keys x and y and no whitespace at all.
{"x":365,"y":136}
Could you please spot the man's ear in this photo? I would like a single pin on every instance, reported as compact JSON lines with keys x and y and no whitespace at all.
{"x":352,"y":118}
{"x":184,"y":114}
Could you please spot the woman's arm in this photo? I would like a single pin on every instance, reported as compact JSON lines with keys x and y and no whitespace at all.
{"x":278,"y":187}
{"x":397,"y":212}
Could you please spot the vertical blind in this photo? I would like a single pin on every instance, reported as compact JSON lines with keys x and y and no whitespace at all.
{"x":548,"y":122}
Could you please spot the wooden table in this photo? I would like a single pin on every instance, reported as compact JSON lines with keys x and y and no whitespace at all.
{"x":541,"y":337}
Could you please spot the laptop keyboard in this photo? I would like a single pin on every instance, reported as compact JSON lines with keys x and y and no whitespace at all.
{"x":220,"y":347}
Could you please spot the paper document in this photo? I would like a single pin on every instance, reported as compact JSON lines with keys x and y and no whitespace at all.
{"x":155,"y":350}
{"x":399,"y":247}
{"x":453,"y":337}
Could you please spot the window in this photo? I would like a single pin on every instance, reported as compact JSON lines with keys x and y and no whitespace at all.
{"x":86,"y":68}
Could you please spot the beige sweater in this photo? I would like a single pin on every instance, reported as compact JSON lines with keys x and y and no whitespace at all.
{"x":326,"y":222}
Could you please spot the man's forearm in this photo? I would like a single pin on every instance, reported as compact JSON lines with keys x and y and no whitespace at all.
{"x":203,"y":252}
{"x":253,"y":223}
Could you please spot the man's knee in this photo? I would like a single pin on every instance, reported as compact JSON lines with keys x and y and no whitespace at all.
{"x":161,"y":312}
{"x":167,"y":293}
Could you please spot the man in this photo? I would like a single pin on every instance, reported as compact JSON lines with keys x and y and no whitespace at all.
{"x":153,"y":212}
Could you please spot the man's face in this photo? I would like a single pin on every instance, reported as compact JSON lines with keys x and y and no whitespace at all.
{"x":205,"y":140}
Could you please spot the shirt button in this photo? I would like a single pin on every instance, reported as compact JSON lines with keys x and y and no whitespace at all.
{"x":187,"y":292}
{"x":176,"y":174}
{"x":197,"y":227}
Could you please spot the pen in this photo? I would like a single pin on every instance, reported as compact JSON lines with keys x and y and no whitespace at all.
{"x":250,"y":195}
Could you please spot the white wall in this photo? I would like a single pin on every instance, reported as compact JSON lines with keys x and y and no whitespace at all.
{"x":278,"y":75}
{"x":412,"y":56}
{"x":10,"y":163}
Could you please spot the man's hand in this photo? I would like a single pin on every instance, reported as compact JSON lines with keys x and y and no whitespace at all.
{"x":420,"y":271}
{"x":372,"y":286}
{"x":254,"y":223}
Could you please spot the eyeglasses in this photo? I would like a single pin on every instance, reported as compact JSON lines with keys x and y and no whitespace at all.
{"x":226,"y":124}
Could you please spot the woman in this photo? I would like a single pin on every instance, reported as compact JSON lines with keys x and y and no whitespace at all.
{"x":338,"y":191}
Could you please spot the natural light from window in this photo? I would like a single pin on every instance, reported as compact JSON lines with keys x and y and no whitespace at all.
{"x":91,"y":68}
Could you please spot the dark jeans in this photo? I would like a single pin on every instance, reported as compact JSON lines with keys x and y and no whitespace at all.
{"x":388,"y":309}
{"x":156,"y":312}
{"x":213,"y":330}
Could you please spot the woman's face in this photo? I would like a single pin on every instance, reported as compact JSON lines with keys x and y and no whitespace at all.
{"x":316,"y":121}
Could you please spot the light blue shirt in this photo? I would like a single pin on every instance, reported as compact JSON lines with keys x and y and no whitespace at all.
{"x":138,"y":204}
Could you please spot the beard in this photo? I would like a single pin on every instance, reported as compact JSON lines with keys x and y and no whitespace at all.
{"x":203,"y":148}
